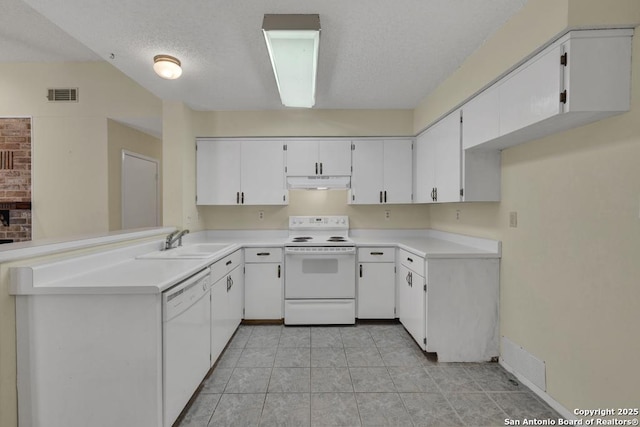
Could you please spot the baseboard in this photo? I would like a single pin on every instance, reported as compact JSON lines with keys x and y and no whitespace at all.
{"x":564,"y":412}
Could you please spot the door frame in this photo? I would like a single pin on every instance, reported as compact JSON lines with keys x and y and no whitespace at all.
{"x":124,"y":154}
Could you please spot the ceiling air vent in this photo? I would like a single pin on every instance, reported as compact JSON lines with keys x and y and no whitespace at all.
{"x":63,"y":94}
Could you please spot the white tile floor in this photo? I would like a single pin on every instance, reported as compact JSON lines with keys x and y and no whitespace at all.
{"x":369,"y":374}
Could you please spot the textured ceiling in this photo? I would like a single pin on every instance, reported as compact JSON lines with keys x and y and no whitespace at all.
{"x":373,"y":53}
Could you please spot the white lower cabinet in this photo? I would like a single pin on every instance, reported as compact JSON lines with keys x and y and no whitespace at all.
{"x":376,"y":283}
{"x":227,"y":300}
{"x":412,"y":302}
{"x":450,"y":306}
{"x":263,"y":283}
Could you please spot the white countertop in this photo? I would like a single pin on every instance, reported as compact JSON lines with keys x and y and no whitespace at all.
{"x":117,"y":271}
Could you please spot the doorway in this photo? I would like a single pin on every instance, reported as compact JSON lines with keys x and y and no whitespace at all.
{"x":140,"y":191}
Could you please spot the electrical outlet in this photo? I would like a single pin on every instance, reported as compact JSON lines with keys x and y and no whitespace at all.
{"x":513,"y":219}
{"x":457,"y":214}
{"x":260,"y":215}
{"x":387,"y":215}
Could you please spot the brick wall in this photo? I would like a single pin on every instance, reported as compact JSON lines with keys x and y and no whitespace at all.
{"x":15,"y":178}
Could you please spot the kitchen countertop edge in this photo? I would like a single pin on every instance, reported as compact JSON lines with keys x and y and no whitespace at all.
{"x":426,"y":245}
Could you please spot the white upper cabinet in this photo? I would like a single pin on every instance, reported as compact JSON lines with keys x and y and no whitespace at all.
{"x":382,"y":171}
{"x":262,"y":176}
{"x":481,"y":118}
{"x":319,"y":157}
{"x":582,"y":77}
{"x":531,"y":93}
{"x":217,"y":172}
{"x":438,"y":162}
{"x":236,"y":172}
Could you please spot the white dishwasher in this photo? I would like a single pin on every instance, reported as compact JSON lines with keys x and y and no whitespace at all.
{"x":186,"y":347}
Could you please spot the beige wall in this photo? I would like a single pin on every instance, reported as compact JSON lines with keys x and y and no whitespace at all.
{"x":569,"y":275}
{"x":121,"y":137}
{"x":300,"y":122}
{"x":311,"y":202}
{"x":179,"y":167}
{"x":70,"y":168}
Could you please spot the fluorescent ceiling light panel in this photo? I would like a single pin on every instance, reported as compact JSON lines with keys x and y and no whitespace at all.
{"x":292,"y":42}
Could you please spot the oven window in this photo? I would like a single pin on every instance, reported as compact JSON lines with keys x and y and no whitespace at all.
{"x":320,"y":266}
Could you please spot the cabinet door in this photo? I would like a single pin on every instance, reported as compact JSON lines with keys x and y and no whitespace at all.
{"x":481,"y":118}
{"x":263,"y":291}
{"x":425,"y":166}
{"x":367,"y":177}
{"x":448,"y":158}
{"x":302,"y":157}
{"x":531,"y":93}
{"x":236,"y":299}
{"x":398,"y":171}
{"x":218,"y":172}
{"x":263,"y":173}
{"x":411,"y":303}
{"x":334,"y":158}
{"x":219,"y":305}
{"x":376,"y":290}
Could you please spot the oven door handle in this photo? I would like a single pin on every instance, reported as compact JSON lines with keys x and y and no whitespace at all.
{"x":294,"y":251}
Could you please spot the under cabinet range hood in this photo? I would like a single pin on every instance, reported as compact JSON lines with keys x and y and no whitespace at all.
{"x":318,"y":182}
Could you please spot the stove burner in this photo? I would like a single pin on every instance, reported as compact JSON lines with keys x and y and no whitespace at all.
{"x":336,"y":239}
{"x":301,"y":239}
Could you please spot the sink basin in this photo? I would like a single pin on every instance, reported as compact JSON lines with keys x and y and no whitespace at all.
{"x":193,"y":251}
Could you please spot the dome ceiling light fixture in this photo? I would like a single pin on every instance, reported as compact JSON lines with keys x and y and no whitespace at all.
{"x":292,"y":42}
{"x":167,"y":67}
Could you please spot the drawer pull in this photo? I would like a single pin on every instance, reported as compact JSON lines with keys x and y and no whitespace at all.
{"x":377,"y":253}
{"x":229,"y":262}
{"x":409,"y":259}
{"x":264,"y":253}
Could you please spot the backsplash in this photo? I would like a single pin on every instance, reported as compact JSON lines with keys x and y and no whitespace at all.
{"x":15,"y":179}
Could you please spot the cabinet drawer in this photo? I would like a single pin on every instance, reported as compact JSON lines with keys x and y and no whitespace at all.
{"x":221,"y":268}
{"x":413,"y":262}
{"x":263,"y":255}
{"x":375,"y":254}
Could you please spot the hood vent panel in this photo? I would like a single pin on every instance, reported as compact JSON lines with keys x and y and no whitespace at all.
{"x":318,"y":182}
{"x":62,"y":94}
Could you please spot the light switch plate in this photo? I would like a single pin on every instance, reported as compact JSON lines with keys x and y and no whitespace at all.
{"x":513,"y":219}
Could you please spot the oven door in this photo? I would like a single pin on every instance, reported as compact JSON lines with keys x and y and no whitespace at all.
{"x":327,"y":273}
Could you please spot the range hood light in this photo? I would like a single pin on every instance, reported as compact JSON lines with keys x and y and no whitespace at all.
{"x":318,"y":182}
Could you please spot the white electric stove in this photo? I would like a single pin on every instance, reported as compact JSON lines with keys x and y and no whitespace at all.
{"x":320,"y":265}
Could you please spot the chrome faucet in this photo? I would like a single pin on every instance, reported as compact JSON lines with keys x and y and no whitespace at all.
{"x":174,"y":237}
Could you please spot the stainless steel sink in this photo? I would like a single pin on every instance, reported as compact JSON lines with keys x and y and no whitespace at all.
{"x":192,"y":251}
